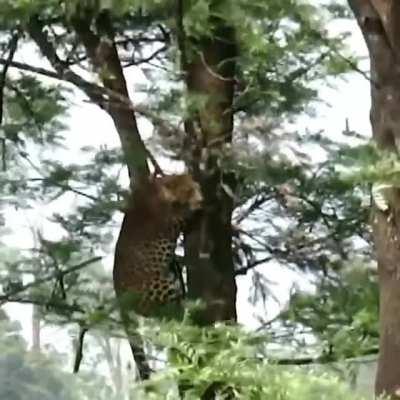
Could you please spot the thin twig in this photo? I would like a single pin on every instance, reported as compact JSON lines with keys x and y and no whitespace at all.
{"x":323,"y":359}
{"x":145,"y":59}
{"x":65,"y":187}
{"x":51,"y":181}
{"x":79,"y":349}
{"x":257,"y":203}
{"x":250,"y":266}
{"x":6,"y":298}
{"x":214,"y":73}
{"x":355,"y":67}
{"x":49,"y":304}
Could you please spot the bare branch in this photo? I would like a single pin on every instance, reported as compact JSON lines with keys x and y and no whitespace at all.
{"x":66,"y":187}
{"x":250,"y":266}
{"x":151,"y":57}
{"x":9,"y":296}
{"x":33,"y":69}
{"x":61,"y":306}
{"x":255,"y":205}
{"x":323,"y":359}
{"x":79,"y":349}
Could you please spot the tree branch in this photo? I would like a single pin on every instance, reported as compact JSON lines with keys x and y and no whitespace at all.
{"x":79,"y":349}
{"x":97,"y":94}
{"x":324,"y":359}
{"x":20,"y":289}
{"x":52,"y":304}
{"x":145,"y":59}
{"x":255,"y":205}
{"x":66,"y":187}
{"x":250,"y":266}
{"x":103,"y":55}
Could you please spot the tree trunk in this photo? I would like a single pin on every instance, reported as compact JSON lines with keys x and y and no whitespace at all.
{"x":209,"y":68}
{"x":379,"y":21}
{"x":102,"y":54}
{"x":36,"y":329}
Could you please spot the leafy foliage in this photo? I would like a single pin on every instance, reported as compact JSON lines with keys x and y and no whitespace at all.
{"x":236,"y":361}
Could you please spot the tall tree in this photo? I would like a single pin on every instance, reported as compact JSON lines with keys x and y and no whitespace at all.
{"x":208,"y":62}
{"x":379,"y":21}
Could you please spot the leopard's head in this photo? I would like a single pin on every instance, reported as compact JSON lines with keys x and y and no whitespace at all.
{"x":182,"y":192}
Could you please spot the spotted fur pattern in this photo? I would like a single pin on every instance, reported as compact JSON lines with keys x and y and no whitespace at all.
{"x":145,"y":253}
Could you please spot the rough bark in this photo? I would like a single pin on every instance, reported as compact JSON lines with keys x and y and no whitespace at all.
{"x":103,"y":55}
{"x":209,"y":67}
{"x":379,"y":21}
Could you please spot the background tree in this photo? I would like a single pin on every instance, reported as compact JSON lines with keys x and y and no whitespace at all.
{"x":378,"y":21}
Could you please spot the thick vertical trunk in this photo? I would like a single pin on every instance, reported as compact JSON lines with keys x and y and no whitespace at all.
{"x":379,"y":21}
{"x":209,"y":67}
{"x":208,"y":253}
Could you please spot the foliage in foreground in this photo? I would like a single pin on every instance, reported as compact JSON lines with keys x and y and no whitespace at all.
{"x":32,"y":375}
{"x":230,"y":361}
{"x":28,"y":375}
{"x":225,"y":358}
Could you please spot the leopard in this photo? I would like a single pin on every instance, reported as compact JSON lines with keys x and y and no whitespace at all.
{"x":145,"y":269}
